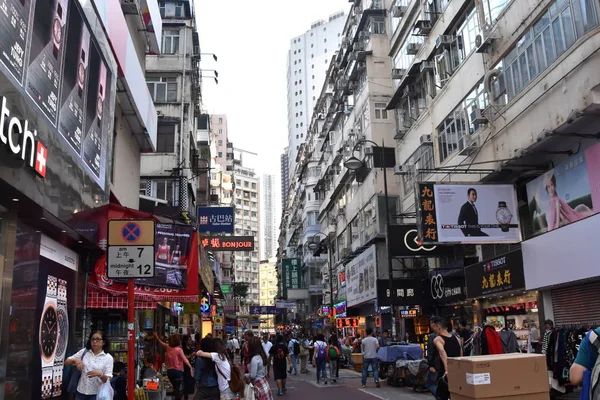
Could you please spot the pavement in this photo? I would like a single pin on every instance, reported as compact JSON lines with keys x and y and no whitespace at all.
{"x":348,"y":386}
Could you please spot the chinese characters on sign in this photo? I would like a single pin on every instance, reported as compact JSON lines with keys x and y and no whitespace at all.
{"x":130,"y":249}
{"x":426,"y":202}
{"x":215,"y":219}
{"x":265,"y":310}
{"x":403,"y":292}
{"x":228,"y":243}
{"x":347,"y":323}
{"x":500,"y":274}
{"x":292,"y":274}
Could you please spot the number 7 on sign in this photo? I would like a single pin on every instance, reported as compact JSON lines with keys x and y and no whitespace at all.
{"x":141,"y":249}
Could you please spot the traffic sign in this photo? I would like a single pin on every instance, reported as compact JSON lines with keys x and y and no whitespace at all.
{"x":130,"y":232}
{"x":130,"y":262}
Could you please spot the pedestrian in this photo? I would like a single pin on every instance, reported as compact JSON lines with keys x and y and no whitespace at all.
{"x":236,"y":347}
{"x":279,"y":354}
{"x":188,"y":378}
{"x":95,"y":364}
{"x":175,"y":359}
{"x":304,"y":351}
{"x":338,"y":344}
{"x":464,"y":334}
{"x":583,"y":371}
{"x":333,"y":356}
{"x":230,"y":348}
{"x":294,"y":349}
{"x":320,"y":358}
{"x":222,"y":367}
{"x":257,"y":370}
{"x":447,"y":345}
{"x":433,"y":361}
{"x":369,"y":347}
{"x":311,"y":348}
{"x":205,"y":374}
{"x":267,"y":348}
{"x":248,"y":335}
{"x":383,"y":339}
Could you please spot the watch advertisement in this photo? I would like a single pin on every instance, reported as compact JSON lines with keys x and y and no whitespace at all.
{"x":74,"y":82}
{"x":498,"y":275}
{"x":468,"y":213}
{"x":14,"y":30}
{"x":46,"y":55}
{"x":567,"y":193}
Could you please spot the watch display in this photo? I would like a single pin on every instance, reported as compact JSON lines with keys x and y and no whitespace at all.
{"x":57,"y":30}
{"x":504,"y":216}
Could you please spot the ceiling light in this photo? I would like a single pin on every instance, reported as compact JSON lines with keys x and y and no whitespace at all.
{"x":63,"y":231}
{"x":80,"y":241}
{"x":43,"y":218}
{"x":15,"y":199}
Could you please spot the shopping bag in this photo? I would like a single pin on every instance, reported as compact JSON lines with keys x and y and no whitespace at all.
{"x":105,"y":392}
{"x":249,"y":392}
{"x":72,"y":376}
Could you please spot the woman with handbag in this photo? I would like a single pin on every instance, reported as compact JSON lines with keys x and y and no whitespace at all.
{"x":257,"y":370}
{"x":207,"y":382}
{"x":94,"y":366}
{"x":223,"y":367}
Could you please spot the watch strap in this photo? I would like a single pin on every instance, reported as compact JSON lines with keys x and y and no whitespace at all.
{"x":52,"y":287}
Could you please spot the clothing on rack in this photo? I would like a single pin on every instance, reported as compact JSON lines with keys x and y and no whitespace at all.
{"x":491,"y":343}
{"x":509,"y":340}
{"x":560,"y":347}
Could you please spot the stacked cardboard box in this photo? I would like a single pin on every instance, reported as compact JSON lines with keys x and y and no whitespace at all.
{"x":499,"y":377}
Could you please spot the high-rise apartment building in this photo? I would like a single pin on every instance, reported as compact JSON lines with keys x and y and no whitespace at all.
{"x":268,"y":291}
{"x":269,"y":216}
{"x":247,"y":222}
{"x":218,"y":124}
{"x":308,"y":59}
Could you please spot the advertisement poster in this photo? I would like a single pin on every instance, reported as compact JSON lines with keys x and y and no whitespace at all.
{"x":468,"y":213}
{"x":215,"y":219}
{"x":14,"y":31}
{"x":46,"y":55}
{"x":74,"y":81}
{"x":173,"y":244}
{"x":567,"y":193}
{"x":500,"y":274}
{"x":292,"y":274}
{"x":361,"y":277}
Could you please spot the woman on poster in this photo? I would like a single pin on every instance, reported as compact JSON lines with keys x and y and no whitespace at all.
{"x":176,"y":255}
{"x":560,"y":213}
{"x":163,"y":251}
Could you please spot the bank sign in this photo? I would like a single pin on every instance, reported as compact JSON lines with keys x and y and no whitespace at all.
{"x":21,"y":140}
{"x":215,"y":219}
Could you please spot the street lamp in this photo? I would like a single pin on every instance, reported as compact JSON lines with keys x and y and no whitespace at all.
{"x":354,"y":164}
{"x":210,"y":54}
{"x":316,"y":246}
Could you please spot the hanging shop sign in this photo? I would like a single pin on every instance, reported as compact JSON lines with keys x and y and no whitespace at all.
{"x":215,"y":219}
{"x":406,"y":243}
{"x":361,"y":277}
{"x":347,"y":323}
{"x":566,"y":193}
{"x":447,"y":284}
{"x":323,"y":311}
{"x":410,"y":313}
{"x":501,"y":274}
{"x":473,"y":213}
{"x":292,"y":274}
{"x":228,"y":243}
{"x":342,"y":279}
{"x":339,"y":309}
{"x":265,"y":310}
{"x":404,"y":292}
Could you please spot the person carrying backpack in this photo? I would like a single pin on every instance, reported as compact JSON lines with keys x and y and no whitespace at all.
{"x":585,"y":370}
{"x":320,"y":358}
{"x":333,"y":356}
{"x":294,"y":349}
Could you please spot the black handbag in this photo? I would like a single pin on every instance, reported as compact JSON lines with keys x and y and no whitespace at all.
{"x":73,"y":377}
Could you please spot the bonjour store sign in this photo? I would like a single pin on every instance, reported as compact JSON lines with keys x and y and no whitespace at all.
{"x":18,"y":138}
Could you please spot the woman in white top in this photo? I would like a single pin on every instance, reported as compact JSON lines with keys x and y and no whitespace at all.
{"x":95,"y":364}
{"x":223,"y":369}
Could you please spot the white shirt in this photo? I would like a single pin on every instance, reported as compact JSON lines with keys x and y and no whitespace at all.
{"x":224,"y":368}
{"x":267,"y":347}
{"x":236,"y":344}
{"x":102,"y":362}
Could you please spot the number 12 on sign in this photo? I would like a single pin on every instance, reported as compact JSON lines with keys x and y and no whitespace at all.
{"x":130,"y":262}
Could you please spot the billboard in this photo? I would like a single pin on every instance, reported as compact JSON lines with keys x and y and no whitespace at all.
{"x":361,"y":277}
{"x":292,"y":274}
{"x":228,"y":243}
{"x":500,"y":274}
{"x":404,"y":292}
{"x":215,"y":220}
{"x":467,"y":213}
{"x":567,"y":193}
{"x":405,"y":242}
{"x":49,"y":54}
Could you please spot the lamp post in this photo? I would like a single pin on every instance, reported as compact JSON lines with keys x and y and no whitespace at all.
{"x":353,"y":164}
{"x":210,"y":54}
{"x":314,"y":246}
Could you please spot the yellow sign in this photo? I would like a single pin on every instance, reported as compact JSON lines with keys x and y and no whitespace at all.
{"x":131,"y":232}
{"x":218,"y":320}
{"x":191,"y":308}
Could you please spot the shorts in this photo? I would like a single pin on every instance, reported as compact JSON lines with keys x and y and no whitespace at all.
{"x":279,"y":373}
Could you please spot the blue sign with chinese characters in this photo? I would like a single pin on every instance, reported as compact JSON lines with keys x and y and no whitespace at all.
{"x":260,"y":310}
{"x":215,"y":219}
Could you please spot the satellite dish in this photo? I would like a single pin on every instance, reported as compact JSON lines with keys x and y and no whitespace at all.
{"x":478,"y":41}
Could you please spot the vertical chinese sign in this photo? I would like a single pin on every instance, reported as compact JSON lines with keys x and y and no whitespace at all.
{"x":292,"y":274}
{"x":427,"y":225}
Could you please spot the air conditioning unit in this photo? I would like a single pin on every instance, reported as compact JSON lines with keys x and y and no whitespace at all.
{"x":477,"y":117}
{"x":342,"y":211}
{"x":353,"y":85}
{"x":345,"y":42}
{"x":427,"y":66}
{"x":333,"y":221}
{"x":361,"y":66}
{"x":426,"y":139}
{"x":399,"y":11}
{"x":364,"y":35}
{"x":483,"y":42}
{"x":423,"y":27}
{"x":444,"y":41}
{"x":400,"y":170}
{"x":413,"y":48}
{"x":359,"y":46}
{"x":399,"y":133}
{"x":409,"y":91}
{"x":398,"y":73}
{"x":468,"y":145}
{"x":320,"y":116}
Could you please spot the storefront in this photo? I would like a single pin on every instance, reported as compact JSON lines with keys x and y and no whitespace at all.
{"x":447,"y":295}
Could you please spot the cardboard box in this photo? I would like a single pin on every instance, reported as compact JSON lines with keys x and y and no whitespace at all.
{"x":489,"y":377}
{"x":531,"y":396}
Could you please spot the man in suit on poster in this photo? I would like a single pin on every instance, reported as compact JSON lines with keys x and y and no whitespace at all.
{"x":469,"y":216}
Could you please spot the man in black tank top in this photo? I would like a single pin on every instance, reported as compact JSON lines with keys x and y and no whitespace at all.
{"x":446,"y":345}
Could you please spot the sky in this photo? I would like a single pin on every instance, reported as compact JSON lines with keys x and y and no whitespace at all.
{"x":251,"y":40}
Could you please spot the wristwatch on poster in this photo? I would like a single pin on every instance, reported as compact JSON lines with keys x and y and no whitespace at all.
{"x":57,"y":30}
{"x":48,"y":339}
{"x":63,"y":336}
{"x":100,"y":104}
{"x":81,"y":73}
{"x":504,"y":216}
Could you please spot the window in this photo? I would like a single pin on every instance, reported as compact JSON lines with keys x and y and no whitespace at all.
{"x":165,"y":190}
{"x":170,"y":44}
{"x":213,"y":177}
{"x":220,"y":120}
{"x":165,"y":139}
{"x":423,"y":159}
{"x":179,"y":10}
{"x":245,"y":184}
{"x":162,"y":89}
{"x":254,"y":214}
{"x":492,"y":9}
{"x":253,"y":185}
{"x":380,"y":111}
{"x":378,"y":27}
{"x":220,"y":142}
{"x":162,"y":8}
{"x":220,"y":132}
{"x":220,"y":154}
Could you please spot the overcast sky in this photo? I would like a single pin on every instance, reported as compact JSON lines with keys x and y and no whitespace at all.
{"x":251,"y":40}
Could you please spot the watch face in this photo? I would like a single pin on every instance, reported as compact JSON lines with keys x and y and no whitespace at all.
{"x":503,"y":215}
{"x":99,"y":107}
{"x":63,"y":332}
{"x":48,"y":332}
{"x":80,"y":74}
{"x":57,"y":31}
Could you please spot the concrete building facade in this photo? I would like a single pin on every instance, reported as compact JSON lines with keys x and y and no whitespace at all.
{"x":268,"y":291}
{"x":269,"y":216}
